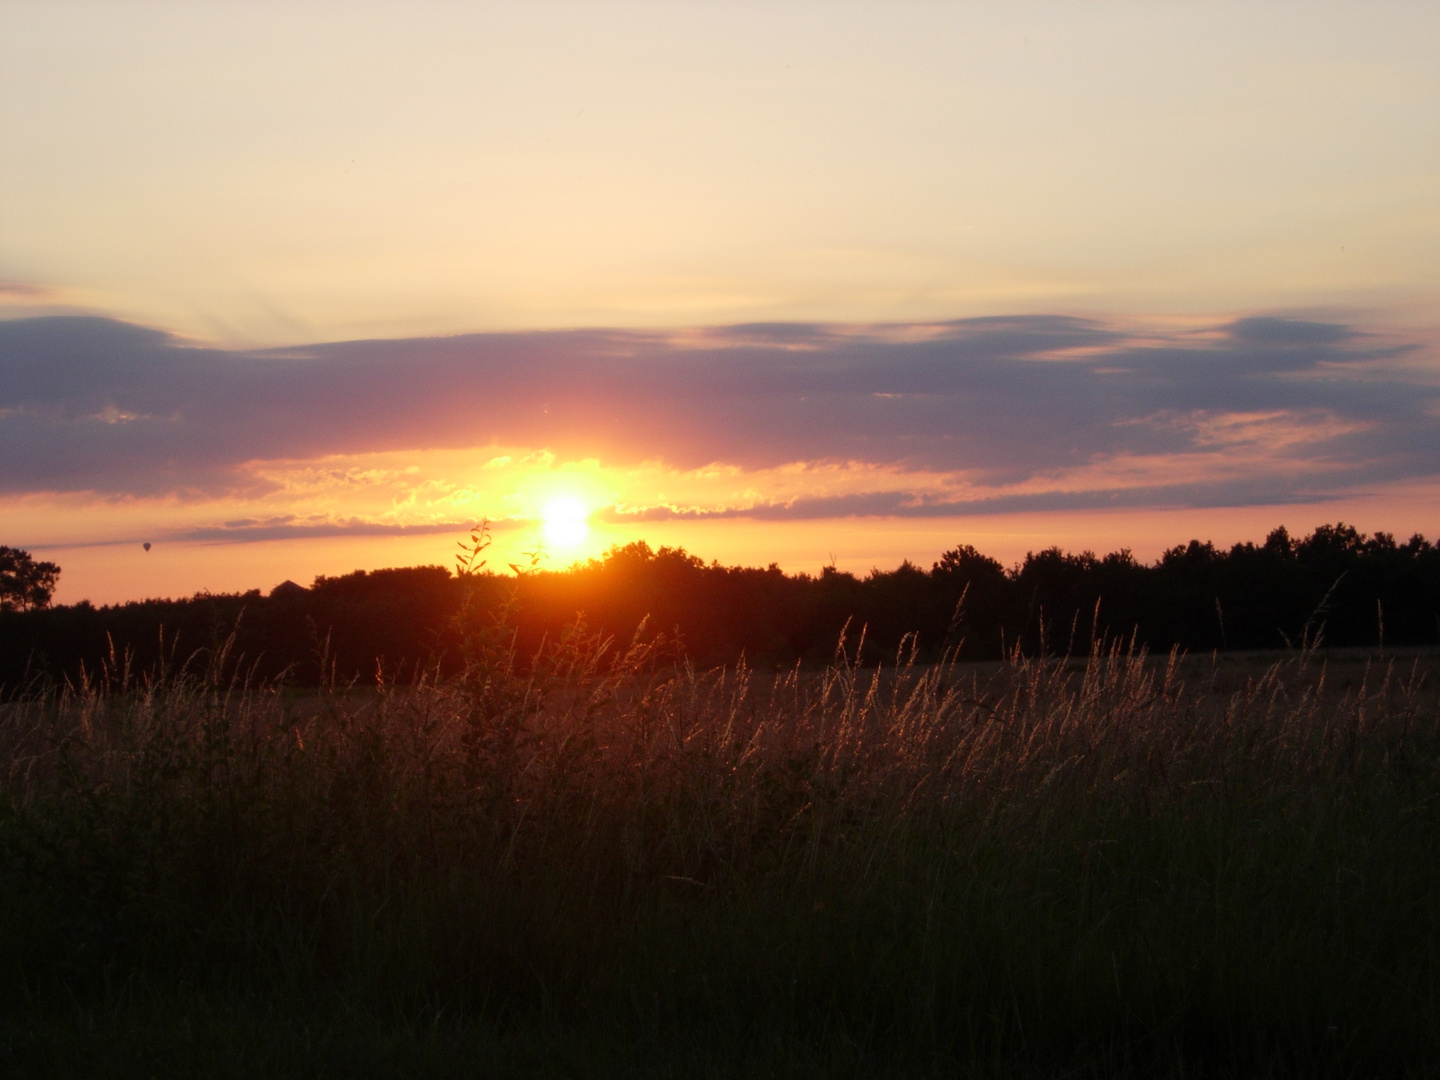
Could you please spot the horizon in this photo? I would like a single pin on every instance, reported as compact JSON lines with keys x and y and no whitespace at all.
{"x":501,"y":568}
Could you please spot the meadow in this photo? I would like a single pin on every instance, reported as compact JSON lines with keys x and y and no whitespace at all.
{"x":596,"y":859}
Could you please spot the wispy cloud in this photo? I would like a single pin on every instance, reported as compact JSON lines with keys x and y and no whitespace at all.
{"x":901,"y":504}
{"x":24,"y":292}
{"x":293,"y":527}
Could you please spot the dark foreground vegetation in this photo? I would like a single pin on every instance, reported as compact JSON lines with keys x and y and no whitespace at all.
{"x":604,"y":862}
{"x":541,"y":853}
{"x":1365,"y":591}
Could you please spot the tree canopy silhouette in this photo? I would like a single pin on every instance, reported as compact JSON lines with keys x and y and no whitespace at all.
{"x":1336,"y":586}
{"x":24,"y":583}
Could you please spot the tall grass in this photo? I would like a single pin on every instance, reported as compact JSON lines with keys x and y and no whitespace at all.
{"x":603,"y":861}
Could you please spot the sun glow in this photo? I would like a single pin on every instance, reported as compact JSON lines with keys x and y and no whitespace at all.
{"x":566,"y":522}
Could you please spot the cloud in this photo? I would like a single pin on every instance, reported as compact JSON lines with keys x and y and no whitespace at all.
{"x":24,"y":292}
{"x":1269,"y":332}
{"x":902,"y":504}
{"x":91,"y":404}
{"x":291,"y":527}
{"x":27,"y":300}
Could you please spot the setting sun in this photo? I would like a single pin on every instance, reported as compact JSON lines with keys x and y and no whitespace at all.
{"x":720,"y":538}
{"x":565,"y":522}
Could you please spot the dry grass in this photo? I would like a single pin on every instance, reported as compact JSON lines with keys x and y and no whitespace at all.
{"x":607,"y":862}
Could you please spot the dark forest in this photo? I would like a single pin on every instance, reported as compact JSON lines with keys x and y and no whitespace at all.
{"x":1336,"y":587}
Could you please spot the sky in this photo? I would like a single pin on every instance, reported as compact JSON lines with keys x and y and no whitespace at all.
{"x":290,"y":289}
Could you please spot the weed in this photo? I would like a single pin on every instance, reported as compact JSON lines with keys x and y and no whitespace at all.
{"x":599,"y":859}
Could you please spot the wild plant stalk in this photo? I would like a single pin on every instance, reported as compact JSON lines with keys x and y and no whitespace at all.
{"x":1039,"y":865}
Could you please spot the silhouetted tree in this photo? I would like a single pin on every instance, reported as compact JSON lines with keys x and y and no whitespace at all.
{"x":24,"y":583}
{"x":973,"y":588}
{"x":1336,"y":585}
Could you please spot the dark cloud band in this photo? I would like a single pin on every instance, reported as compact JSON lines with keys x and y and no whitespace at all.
{"x":91,"y":404}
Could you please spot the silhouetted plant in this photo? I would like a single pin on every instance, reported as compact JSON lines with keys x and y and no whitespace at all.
{"x":1337,"y":582}
{"x":1118,"y":866}
{"x":24,"y":583}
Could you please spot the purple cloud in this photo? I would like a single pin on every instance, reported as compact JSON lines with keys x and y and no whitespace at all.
{"x":90,"y":404}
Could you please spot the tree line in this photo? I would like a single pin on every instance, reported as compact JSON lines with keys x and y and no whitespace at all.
{"x":1337,"y":586}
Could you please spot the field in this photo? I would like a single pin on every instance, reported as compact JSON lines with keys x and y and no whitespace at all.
{"x":599,"y":861}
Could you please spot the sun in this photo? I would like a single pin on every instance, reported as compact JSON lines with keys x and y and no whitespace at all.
{"x":566,"y":523}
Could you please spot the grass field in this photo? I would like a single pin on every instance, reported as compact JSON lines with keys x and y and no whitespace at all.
{"x":606,"y":863}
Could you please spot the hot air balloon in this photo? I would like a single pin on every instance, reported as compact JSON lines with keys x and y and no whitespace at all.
{"x":147,"y":545}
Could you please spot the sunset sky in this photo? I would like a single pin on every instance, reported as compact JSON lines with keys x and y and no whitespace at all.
{"x":301,"y":288}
